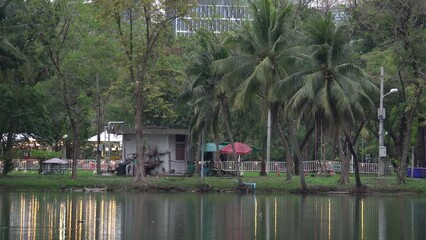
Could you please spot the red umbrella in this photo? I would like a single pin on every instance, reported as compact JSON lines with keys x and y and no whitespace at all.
{"x":240,"y":148}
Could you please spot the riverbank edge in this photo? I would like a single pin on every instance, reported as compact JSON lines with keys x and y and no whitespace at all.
{"x":207,"y":188}
{"x":273,"y":183}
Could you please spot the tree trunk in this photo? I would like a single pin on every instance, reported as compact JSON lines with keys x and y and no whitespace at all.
{"x":262,"y":168}
{"x":289,"y":165}
{"x":7,"y":154}
{"x":76,"y":152}
{"x":288,"y":156}
{"x":352,"y":150}
{"x":140,"y":169}
{"x":40,"y":165}
{"x":301,"y":146}
{"x":72,"y":116}
{"x":198,"y":157}
{"x":318,"y":146}
{"x":419,"y":77}
{"x":333,"y":146}
{"x":98,"y":127}
{"x":344,"y":164}
{"x":421,"y":144}
{"x":299,"y":157}
{"x":405,"y":150}
{"x":231,"y":138}
{"x":217,"y":157}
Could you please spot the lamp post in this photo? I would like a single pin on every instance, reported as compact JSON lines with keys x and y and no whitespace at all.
{"x":107,"y":153}
{"x":64,"y":147}
{"x":202,"y":154}
{"x":382,"y":115}
{"x":109,"y":127}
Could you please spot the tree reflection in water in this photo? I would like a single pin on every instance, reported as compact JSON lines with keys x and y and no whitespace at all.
{"x":127,"y":215}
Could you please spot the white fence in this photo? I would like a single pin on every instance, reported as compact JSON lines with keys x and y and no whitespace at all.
{"x":246,"y":166}
{"x":33,"y":164}
{"x":309,"y":166}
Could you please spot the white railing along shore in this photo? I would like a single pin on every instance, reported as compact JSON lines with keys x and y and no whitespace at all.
{"x":245,"y":166}
{"x":83,"y":164}
{"x":309,"y":166}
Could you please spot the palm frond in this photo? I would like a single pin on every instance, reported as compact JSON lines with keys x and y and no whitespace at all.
{"x":287,"y":87}
{"x":247,"y":90}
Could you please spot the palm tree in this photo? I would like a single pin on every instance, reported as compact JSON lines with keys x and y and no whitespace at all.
{"x":260,"y":55}
{"x":205,"y":108}
{"x":329,"y":88}
{"x":211,"y":99}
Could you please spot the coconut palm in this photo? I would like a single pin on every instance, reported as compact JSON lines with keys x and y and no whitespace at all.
{"x":211,"y":100}
{"x":205,"y":108}
{"x":329,"y":88}
{"x":259,"y":55}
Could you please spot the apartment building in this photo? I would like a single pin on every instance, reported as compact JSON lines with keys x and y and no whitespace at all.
{"x":214,"y":15}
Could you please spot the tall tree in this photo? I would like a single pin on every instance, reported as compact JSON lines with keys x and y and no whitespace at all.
{"x":205,"y":106}
{"x":210,"y":99}
{"x":140,"y":25}
{"x":54,"y":28}
{"x":329,"y":88}
{"x":260,"y":56}
{"x":396,"y":28}
{"x":21,"y":106}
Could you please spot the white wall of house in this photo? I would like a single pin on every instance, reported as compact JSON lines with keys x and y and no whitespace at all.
{"x":166,"y":147}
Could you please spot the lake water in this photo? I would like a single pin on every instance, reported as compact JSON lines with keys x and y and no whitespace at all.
{"x":128,"y":215}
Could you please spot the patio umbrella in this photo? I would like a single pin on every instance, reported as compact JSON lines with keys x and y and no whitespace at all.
{"x":55,"y":161}
{"x":211,"y":147}
{"x":240,"y":148}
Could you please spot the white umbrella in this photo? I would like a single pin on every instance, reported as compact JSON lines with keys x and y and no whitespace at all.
{"x":56,"y":160}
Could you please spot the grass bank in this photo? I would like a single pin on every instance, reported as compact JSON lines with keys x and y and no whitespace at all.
{"x":32,"y":181}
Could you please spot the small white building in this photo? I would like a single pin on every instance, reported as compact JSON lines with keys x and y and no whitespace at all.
{"x":169,"y":146}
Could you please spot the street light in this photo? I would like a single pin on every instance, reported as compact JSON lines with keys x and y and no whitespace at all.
{"x":393,"y":90}
{"x":381,"y":113}
{"x":107,"y":128}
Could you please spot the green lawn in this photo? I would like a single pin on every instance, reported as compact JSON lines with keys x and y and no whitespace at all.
{"x":32,"y":181}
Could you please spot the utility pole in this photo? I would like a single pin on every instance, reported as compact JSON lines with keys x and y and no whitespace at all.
{"x":268,"y":140}
{"x":98,"y":127}
{"x":202,"y":152}
{"x":381,"y":116}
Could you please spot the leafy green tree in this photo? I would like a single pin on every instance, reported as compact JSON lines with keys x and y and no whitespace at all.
{"x":21,"y":106}
{"x":54,"y":28}
{"x":396,"y":28}
{"x":22,"y":112}
{"x":163,"y":87}
{"x":140,"y":27}
{"x":329,"y":88}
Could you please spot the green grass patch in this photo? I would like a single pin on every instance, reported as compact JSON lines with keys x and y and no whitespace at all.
{"x":32,"y":181}
{"x":36,"y":181}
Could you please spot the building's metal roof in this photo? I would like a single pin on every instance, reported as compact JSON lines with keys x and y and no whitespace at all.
{"x":151,"y":130}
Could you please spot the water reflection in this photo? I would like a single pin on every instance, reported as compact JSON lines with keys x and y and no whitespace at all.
{"x":208,"y":216}
{"x":58,"y":216}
